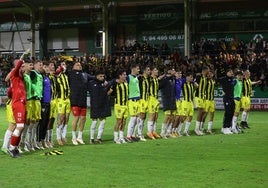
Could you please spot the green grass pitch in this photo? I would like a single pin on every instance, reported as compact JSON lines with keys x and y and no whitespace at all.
{"x":197,"y":161}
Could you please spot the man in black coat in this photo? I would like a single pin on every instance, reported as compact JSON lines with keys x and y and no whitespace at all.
{"x":99,"y":91}
{"x":167,"y":88}
{"x":227,"y":83}
{"x":78,"y":81}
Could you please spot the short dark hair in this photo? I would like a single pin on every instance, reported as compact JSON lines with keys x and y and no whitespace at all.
{"x":100,"y":71}
{"x":188,"y":74}
{"x":120,"y":72}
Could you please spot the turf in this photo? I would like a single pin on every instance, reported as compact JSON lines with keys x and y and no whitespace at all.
{"x":209,"y":161}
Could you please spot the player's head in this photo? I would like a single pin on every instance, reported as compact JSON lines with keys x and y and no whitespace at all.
{"x":189,"y":76}
{"x":77,"y":66}
{"x":100,"y":74}
{"x":229,"y":72}
{"x":121,"y":75}
{"x":135,"y":68}
{"x":178,"y":74}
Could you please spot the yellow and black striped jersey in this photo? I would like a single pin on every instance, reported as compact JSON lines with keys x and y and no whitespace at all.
{"x":121,"y":93}
{"x":210,"y":89}
{"x":247,"y":88}
{"x":63,"y":88}
{"x":202,"y":86}
{"x":53,"y":85}
{"x":154,"y":87}
{"x":188,"y":91}
{"x":144,"y":87}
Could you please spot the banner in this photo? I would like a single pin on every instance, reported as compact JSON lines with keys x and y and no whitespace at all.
{"x":259,"y":99}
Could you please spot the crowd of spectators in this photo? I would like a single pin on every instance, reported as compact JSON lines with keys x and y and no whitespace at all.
{"x":218,"y":55}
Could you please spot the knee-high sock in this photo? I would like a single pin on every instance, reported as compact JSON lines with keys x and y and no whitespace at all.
{"x":140,"y":127}
{"x":154,"y":126}
{"x":59,"y":132}
{"x":180,"y":127}
{"x":244,"y":116}
{"x":131,"y":126}
{"x":92,"y":129}
{"x":163,"y":130}
{"x":187,"y":126}
{"x":169,"y":128}
{"x":15,"y":139}
{"x":101,"y":129}
{"x":234,"y":122}
{"x":150,"y":126}
{"x":210,"y":123}
{"x":64,"y":131}
{"x":7,"y":139}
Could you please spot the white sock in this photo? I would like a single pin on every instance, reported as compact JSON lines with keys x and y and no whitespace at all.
{"x":59,"y":131}
{"x":80,"y":135}
{"x":187,"y":125}
{"x":24,"y":134}
{"x":50,"y":135}
{"x":115,"y":135}
{"x":29,"y":132}
{"x":154,"y":126}
{"x":169,"y":128}
{"x":164,"y":127}
{"x":244,"y":116}
{"x":121,"y":134}
{"x":140,"y":127}
{"x":34,"y":128}
{"x":150,"y":126}
{"x":180,"y":127}
{"x":92,"y":129}
{"x":64,"y":131}
{"x":234,"y":122}
{"x":197,"y":125}
{"x":47,"y":136}
{"x":74,"y":135}
{"x":7,"y":139}
{"x":101,"y":129}
{"x":210,"y":125}
{"x":135,"y":128}
{"x":131,"y":126}
{"x":201,"y":125}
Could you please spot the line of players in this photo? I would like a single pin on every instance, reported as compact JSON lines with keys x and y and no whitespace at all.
{"x":48,"y":94}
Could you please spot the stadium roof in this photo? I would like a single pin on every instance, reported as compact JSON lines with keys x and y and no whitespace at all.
{"x":12,"y":4}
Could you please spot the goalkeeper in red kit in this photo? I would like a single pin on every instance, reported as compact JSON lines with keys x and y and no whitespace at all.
{"x":18,"y":104}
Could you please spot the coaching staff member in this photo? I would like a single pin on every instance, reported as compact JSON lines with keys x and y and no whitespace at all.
{"x":227,"y":83}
